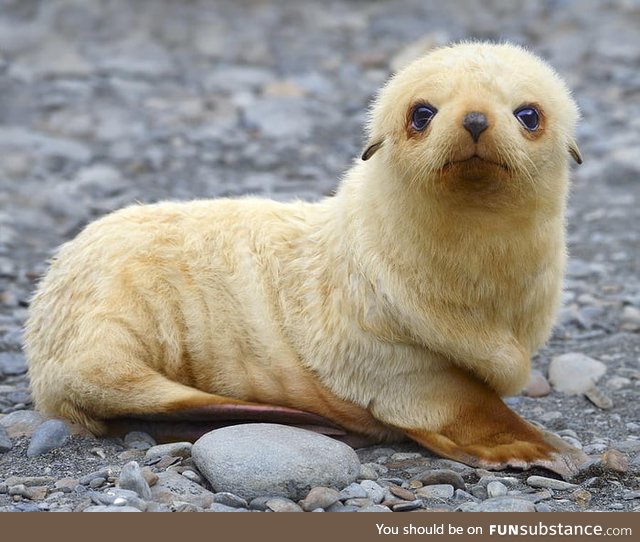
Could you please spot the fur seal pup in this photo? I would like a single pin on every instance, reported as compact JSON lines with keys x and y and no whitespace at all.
{"x":405,"y":305}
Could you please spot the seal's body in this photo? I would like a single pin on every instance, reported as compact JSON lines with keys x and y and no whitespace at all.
{"x":406,"y":304}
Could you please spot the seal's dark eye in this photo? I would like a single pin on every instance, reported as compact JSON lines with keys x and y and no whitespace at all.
{"x":421,"y":116}
{"x":528,"y":117}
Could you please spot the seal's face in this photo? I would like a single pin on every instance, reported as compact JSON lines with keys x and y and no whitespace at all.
{"x":475,"y":119}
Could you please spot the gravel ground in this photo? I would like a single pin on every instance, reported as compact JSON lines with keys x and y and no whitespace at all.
{"x":107,"y":103}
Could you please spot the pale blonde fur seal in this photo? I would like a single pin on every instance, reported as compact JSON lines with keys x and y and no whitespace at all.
{"x":406,"y":304}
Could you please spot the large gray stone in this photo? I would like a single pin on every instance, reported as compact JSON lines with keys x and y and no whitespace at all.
{"x":251,"y":460}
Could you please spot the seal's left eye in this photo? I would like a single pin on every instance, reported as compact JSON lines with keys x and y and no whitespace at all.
{"x":528,"y":117}
{"x":421,"y":116}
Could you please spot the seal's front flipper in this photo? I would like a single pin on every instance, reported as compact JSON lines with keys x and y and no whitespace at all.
{"x":485,"y":433}
{"x":191,"y":422}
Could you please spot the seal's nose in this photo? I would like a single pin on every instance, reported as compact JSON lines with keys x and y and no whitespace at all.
{"x":475,"y":123}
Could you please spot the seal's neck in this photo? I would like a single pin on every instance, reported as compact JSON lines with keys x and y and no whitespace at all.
{"x":408,"y":223}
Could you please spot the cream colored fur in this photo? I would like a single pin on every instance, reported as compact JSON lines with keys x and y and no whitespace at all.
{"x":382,"y":294}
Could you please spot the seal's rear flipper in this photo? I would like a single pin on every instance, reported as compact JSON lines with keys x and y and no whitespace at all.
{"x":487,"y":434}
{"x":192,"y":422}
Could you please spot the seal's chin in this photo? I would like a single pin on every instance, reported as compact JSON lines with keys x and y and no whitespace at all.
{"x":475,"y":168}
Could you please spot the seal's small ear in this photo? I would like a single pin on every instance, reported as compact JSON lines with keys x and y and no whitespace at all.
{"x":574,"y":151}
{"x":371,"y":149}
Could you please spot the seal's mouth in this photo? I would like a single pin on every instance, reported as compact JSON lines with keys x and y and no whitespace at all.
{"x":475,"y":161}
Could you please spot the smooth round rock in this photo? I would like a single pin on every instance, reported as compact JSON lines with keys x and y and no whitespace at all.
{"x":441,"y":476}
{"x":496,"y":489}
{"x":538,"y":385}
{"x":50,"y":435}
{"x":280,"y":504}
{"x":250,"y":460}
{"x":574,"y":373}
{"x":436,"y":491}
{"x":319,"y":497}
{"x":549,"y":483}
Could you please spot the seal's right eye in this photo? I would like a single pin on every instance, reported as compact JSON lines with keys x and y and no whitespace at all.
{"x":421,"y":116}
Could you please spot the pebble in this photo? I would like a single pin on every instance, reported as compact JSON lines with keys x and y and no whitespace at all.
{"x":139,"y":440}
{"x":575,"y":373}
{"x":368,"y":472}
{"x":172,"y":449}
{"x":543,"y":507}
{"x":33,"y":493}
{"x":22,"y":423}
{"x":66,"y":485}
{"x":280,"y":504}
{"x":582,"y":497}
{"x":5,"y":441}
{"x":375,"y":508}
{"x":119,"y":497}
{"x":131,"y":478}
{"x":402,"y":493}
{"x":353,"y":491}
{"x":618,"y":382}
{"x":359,"y":502}
{"x":538,"y":385}
{"x":319,"y":497}
{"x":172,"y":487}
{"x":192,"y":475}
{"x":549,"y":483}
{"x":630,"y":320}
{"x":12,"y":364}
{"x":50,"y":435}
{"x":462,"y":495}
{"x":150,"y":476}
{"x":615,"y":461}
{"x":436,"y":491}
{"x":103,"y":473}
{"x":97,"y":482}
{"x":335,"y":507}
{"x":229,"y":499}
{"x":598,"y":398}
{"x":441,"y":476}
{"x":217,"y":507}
{"x":374,"y":491}
{"x":407,"y":506}
{"x":405,"y":456}
{"x":269,"y":459}
{"x":496,"y":489}
{"x":506,"y":504}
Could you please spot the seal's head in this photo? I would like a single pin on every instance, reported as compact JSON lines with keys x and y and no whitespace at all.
{"x":476,"y":121}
